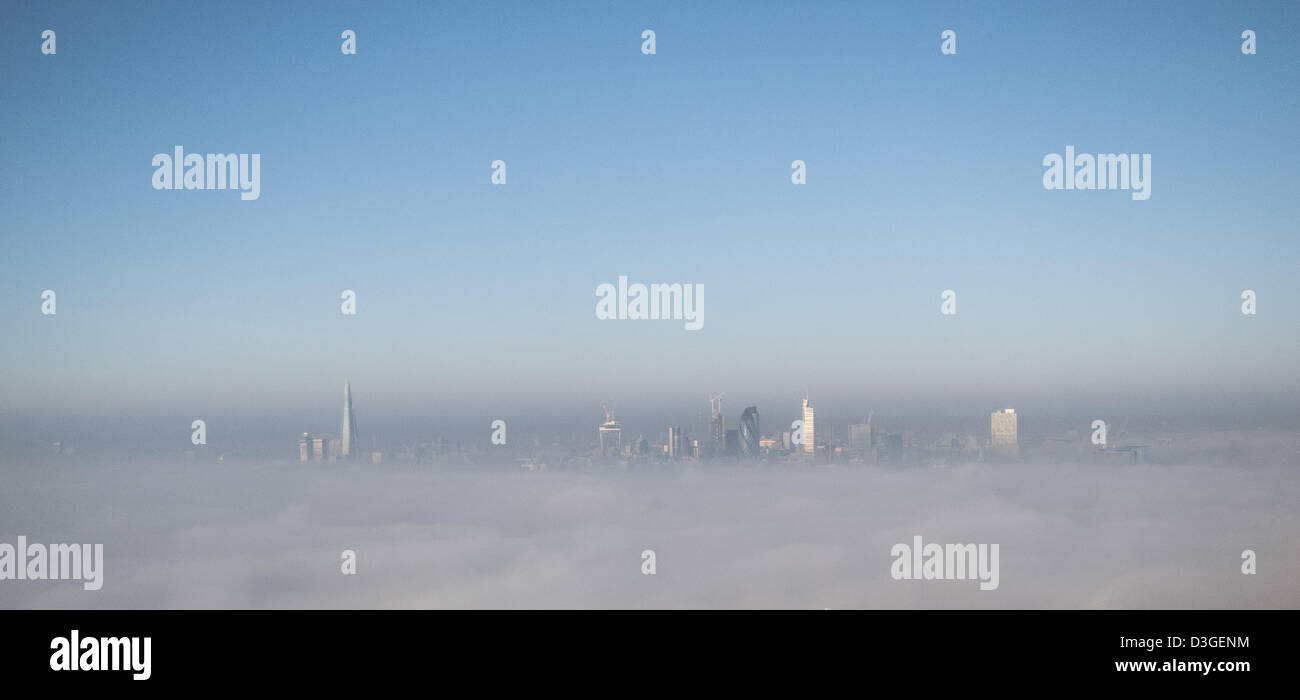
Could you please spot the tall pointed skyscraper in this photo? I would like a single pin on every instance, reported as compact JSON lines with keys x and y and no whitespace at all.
{"x":348,"y":431}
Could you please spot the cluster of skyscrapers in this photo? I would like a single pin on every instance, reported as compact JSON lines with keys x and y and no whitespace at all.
{"x":745,"y":441}
{"x":806,"y":440}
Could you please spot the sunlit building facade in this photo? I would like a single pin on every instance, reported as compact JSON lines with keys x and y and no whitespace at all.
{"x":1002,"y":432}
{"x":809,"y":428}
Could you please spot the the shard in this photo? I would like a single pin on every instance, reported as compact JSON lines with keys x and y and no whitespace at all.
{"x":348,"y":431}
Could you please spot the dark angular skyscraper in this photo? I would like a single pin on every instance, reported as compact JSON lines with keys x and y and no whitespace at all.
{"x":749,"y":433}
{"x":717,"y":427}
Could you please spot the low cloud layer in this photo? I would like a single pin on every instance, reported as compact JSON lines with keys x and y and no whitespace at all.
{"x":234,"y":535}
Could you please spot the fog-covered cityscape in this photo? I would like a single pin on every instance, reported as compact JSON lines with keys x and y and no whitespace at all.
{"x":805,"y":441}
{"x":799,"y":510}
{"x":756,"y":305}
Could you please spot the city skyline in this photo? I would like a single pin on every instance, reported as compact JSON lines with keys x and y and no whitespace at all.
{"x":802,"y":442}
{"x":709,"y":440}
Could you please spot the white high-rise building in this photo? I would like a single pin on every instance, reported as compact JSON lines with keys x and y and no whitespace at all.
{"x":1002,"y":432}
{"x":809,"y":431}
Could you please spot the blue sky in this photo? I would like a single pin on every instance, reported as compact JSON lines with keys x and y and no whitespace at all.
{"x":924,"y":174}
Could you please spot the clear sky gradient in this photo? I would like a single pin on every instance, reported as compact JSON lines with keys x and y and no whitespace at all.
{"x":924,"y":174}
